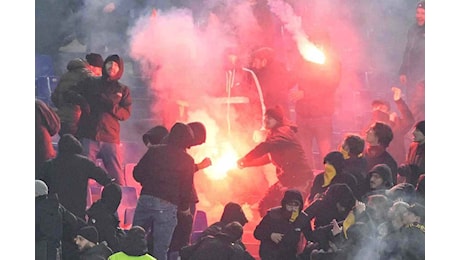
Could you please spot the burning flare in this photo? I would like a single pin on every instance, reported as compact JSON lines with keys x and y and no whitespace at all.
{"x":223,"y":160}
{"x":309,"y":51}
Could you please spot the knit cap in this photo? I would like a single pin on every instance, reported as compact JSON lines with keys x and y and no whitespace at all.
{"x":95,"y":59}
{"x":89,"y":233}
{"x":385,"y":173}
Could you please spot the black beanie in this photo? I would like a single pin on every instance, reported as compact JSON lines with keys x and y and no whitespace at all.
{"x":276,"y":112}
{"x":421,"y":126}
{"x":95,"y":59}
{"x":385,"y":173}
{"x":155,"y":135}
{"x":89,"y":233}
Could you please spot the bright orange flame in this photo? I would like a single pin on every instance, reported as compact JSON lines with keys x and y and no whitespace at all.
{"x":223,"y":160}
{"x":309,"y":51}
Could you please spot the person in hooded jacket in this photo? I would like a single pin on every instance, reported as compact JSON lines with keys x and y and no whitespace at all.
{"x":232,"y":212}
{"x":103,"y":215}
{"x":133,"y":246}
{"x":283,"y":149}
{"x":68,"y":175}
{"x":279,"y":231}
{"x":379,"y":181}
{"x":183,"y":231}
{"x":335,"y":204}
{"x":105,"y":102}
{"x":165,"y":173}
{"x":333,"y":173}
{"x":222,"y":245}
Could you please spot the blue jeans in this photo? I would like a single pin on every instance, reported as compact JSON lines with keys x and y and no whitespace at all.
{"x":110,"y":155}
{"x":160,"y":217}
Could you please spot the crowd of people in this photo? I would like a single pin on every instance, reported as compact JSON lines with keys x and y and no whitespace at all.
{"x":366,"y":202}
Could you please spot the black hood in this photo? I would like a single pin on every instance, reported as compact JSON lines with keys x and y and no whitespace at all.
{"x":199,"y":132}
{"x":292,"y":195}
{"x":233,"y":212}
{"x":155,"y":135}
{"x":69,"y":144}
{"x":181,"y":135}
{"x":120,"y":62}
{"x":111,"y":196}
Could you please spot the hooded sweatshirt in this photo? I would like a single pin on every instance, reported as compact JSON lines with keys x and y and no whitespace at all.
{"x":102,"y":214}
{"x":68,"y":175}
{"x":109,"y":102}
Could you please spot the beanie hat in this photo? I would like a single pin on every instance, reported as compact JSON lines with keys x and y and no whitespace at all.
{"x":292,"y":195}
{"x":89,"y":233}
{"x":385,"y":173}
{"x":421,"y":4}
{"x":199,"y":133}
{"x":421,"y":126}
{"x":155,"y":135}
{"x":40,"y":188}
{"x":69,"y":144}
{"x":95,"y":59}
{"x":276,"y":113}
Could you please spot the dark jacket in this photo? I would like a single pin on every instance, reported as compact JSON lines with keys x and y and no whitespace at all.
{"x":166,"y":170}
{"x":357,"y":166}
{"x":413,"y":62}
{"x":277,"y":220}
{"x":68,"y":112}
{"x":53,"y":223}
{"x":376,"y":155}
{"x":109,"y":103}
{"x":102,"y":214}
{"x":221,"y":246}
{"x":68,"y":175}
{"x":287,"y":154}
